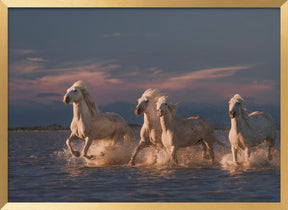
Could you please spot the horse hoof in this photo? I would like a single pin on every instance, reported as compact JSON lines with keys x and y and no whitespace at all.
{"x":270,"y":157}
{"x":236,"y":163}
{"x":89,"y":157}
{"x":76,"y":153}
{"x":131,"y":163}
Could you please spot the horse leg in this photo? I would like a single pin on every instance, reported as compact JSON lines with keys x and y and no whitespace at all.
{"x":211,"y":151}
{"x":142,"y":144}
{"x":68,"y":143}
{"x":209,"y":146}
{"x":234,"y":154}
{"x":247,"y":154}
{"x":204,"y":156}
{"x":270,"y":144}
{"x":269,"y":156}
{"x":157,"y":149}
{"x":173,"y":154}
{"x":87,"y":144}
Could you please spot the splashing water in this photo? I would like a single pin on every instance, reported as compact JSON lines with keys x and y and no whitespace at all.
{"x":106,"y":154}
{"x":257,"y":161}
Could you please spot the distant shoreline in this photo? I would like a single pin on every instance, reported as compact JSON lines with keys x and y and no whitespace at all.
{"x":52,"y":127}
{"x":56,"y":127}
{"x":38,"y":128}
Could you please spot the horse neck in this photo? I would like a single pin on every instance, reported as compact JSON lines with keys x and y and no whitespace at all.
{"x":166,"y":121}
{"x":241,"y":122}
{"x":80,"y":110}
{"x":150,"y":117}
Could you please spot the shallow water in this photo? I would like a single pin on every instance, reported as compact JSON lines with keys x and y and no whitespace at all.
{"x":42,"y":169}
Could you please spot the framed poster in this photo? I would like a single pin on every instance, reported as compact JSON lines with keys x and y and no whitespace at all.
{"x":199,"y":54}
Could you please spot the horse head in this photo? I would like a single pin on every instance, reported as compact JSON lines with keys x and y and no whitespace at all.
{"x":74,"y":93}
{"x":146,"y":101}
{"x":162,"y":106}
{"x":235,"y":105}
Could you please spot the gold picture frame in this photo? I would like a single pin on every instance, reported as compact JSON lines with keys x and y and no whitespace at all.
{"x":6,"y":4}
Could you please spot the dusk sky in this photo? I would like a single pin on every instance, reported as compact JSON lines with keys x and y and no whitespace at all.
{"x":201,"y":56}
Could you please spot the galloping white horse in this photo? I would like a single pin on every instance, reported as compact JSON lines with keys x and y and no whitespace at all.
{"x":178,"y":132}
{"x":89,"y":124}
{"x":249,"y":130}
{"x":151,"y":130}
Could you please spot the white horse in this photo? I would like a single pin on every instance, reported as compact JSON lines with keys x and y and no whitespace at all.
{"x":249,"y":130}
{"x":89,"y":124}
{"x":151,"y":130}
{"x":178,"y":133}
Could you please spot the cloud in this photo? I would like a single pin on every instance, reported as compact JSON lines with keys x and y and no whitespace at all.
{"x":155,"y":70}
{"x":173,"y":81}
{"x":22,"y":51}
{"x":48,"y":94}
{"x":36,"y":59}
{"x":39,"y":65}
{"x":111,"y":35}
{"x":109,"y":81}
{"x":22,"y":67}
{"x":251,"y":89}
{"x":182,"y":81}
{"x":55,"y":85}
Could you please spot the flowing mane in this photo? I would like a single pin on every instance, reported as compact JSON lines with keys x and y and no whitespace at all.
{"x":87,"y":97}
{"x":154,"y":94}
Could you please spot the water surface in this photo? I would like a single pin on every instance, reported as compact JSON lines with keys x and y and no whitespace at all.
{"x":41,"y":169}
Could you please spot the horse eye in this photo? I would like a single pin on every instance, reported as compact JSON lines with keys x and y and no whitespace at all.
{"x":166,"y":104}
{"x":75,"y":90}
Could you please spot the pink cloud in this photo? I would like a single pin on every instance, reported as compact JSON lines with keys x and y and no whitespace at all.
{"x":57,"y":80}
{"x":185,"y":80}
{"x":24,"y":67}
{"x":34,"y":59}
{"x":107,"y":88}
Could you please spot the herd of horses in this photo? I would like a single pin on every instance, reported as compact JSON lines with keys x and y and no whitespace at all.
{"x":163,"y":129}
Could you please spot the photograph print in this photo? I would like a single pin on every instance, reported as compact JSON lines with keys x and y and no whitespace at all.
{"x":144,"y":105}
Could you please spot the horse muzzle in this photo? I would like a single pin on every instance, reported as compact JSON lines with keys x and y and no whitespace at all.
{"x":160,"y":112}
{"x":66,"y":100}
{"x":138,"y":110}
{"x":232,"y":114}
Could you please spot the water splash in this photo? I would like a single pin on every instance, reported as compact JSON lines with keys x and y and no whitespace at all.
{"x":107,"y":154}
{"x":257,"y":161}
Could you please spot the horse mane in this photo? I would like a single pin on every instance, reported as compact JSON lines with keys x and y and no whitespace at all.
{"x":87,"y":97}
{"x":244,"y":111}
{"x":171,"y":107}
{"x":154,"y":94}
